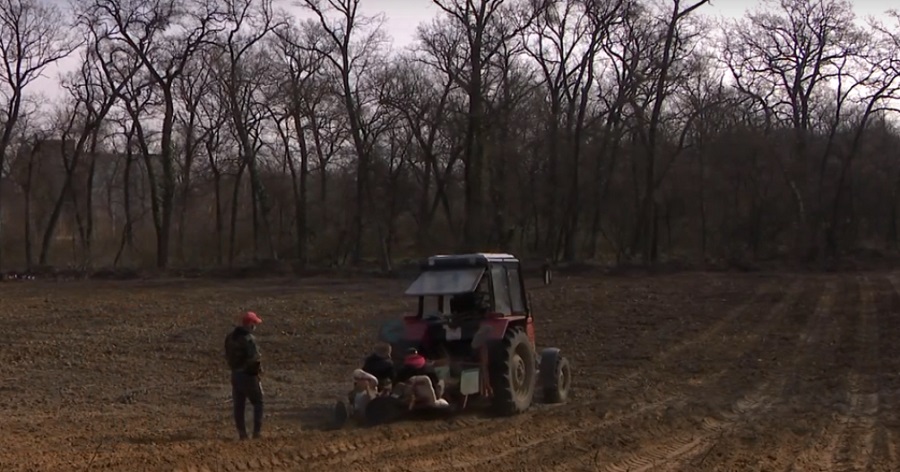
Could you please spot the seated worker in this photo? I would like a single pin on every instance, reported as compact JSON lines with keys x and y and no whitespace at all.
{"x":373,"y":379}
{"x":364,"y":390}
{"x":423,"y":381}
{"x":380,"y":365}
{"x":471,"y":303}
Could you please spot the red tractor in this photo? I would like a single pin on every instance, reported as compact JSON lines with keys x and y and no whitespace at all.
{"x":474,"y":324}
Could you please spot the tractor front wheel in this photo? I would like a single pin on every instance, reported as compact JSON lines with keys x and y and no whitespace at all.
{"x":556,"y":376}
{"x":513,"y":373}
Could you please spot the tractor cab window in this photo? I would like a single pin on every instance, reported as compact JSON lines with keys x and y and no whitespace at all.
{"x":478,"y":301}
{"x":433,"y":306}
{"x":501,"y":289}
{"x":517,"y":301}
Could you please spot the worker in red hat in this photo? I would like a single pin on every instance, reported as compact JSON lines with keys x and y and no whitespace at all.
{"x":424,"y":384}
{"x":242,"y":354}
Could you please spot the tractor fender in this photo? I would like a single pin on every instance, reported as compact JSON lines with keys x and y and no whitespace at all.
{"x":496,"y":327}
{"x":414,"y":329}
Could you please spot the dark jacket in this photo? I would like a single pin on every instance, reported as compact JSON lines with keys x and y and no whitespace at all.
{"x":407,"y":372}
{"x":241,"y":352}
{"x":381,"y":367}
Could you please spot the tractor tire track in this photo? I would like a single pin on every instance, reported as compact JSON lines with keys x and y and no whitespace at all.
{"x":682,"y":451}
{"x":357,"y":446}
{"x":496,"y":431}
{"x":888,"y":375}
{"x":813,"y":328}
{"x":508,"y":449}
{"x":736,"y":313}
{"x":736,"y":444}
{"x":857,"y":443}
{"x":890,"y":372}
{"x":680,"y":448}
{"x":818,"y":451}
{"x":662,"y":381}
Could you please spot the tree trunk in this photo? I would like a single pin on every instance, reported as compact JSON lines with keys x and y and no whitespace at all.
{"x":190,"y":148}
{"x":128,"y":231}
{"x":70,"y":166}
{"x":362,"y":165}
{"x":552,"y":188}
{"x":87,"y":242}
{"x":29,"y":256}
{"x":234,"y":212}
{"x":301,"y":193}
{"x":425,"y":216}
{"x":167,"y":194}
{"x":211,"y":145}
{"x":10,"y":121}
{"x":702,"y":197}
{"x":325,"y":220}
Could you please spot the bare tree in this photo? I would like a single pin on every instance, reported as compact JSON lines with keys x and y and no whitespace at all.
{"x":141,"y":26}
{"x":330,"y":135}
{"x":293,"y":91}
{"x":129,"y":126}
{"x":33,"y":35}
{"x":396,"y":147}
{"x":565,"y":42}
{"x":212,"y":119}
{"x":628,"y":53}
{"x":25,"y":169}
{"x":488,"y":25}
{"x":877,"y":74}
{"x":190,"y":88}
{"x":421,"y":98}
{"x":94,"y":88}
{"x":244,"y":65}
{"x":352,"y":51}
{"x":785,"y":57}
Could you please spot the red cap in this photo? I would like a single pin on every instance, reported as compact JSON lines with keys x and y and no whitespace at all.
{"x":250,"y":318}
{"x":416,"y":361}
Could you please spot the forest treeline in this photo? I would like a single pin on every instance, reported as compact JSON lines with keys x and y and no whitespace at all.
{"x":200,"y":133}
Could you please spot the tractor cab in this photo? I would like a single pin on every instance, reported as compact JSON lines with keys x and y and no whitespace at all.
{"x":491,"y":283}
{"x":459,"y":295}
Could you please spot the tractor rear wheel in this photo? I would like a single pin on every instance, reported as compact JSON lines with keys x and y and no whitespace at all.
{"x":513,"y":373}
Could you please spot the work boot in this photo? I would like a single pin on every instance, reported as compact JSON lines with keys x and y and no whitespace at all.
{"x":257,"y":435}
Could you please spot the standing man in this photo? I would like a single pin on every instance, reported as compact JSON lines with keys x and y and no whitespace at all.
{"x":243,"y":359}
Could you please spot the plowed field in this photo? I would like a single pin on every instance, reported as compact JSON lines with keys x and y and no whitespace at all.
{"x":686,"y":372}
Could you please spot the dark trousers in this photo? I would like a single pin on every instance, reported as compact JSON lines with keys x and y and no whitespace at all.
{"x":246,"y":387}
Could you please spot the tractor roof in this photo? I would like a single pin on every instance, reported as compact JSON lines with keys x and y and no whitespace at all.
{"x":454,"y":274}
{"x":479,"y":259}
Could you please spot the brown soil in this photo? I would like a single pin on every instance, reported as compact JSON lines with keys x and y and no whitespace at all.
{"x":674,"y":372}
